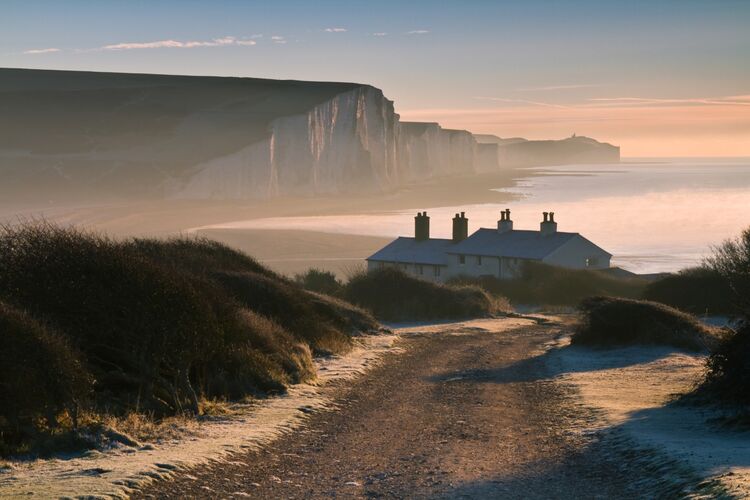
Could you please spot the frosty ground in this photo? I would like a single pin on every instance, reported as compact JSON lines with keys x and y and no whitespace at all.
{"x":487,"y":408}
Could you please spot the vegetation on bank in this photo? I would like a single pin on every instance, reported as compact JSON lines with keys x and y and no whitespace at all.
{"x":698,"y":290}
{"x":92,"y":325}
{"x":543,"y":284}
{"x":610,"y":321}
{"x":727,"y":380}
{"x":392,"y":295}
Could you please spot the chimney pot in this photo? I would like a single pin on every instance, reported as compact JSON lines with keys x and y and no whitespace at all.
{"x":460,"y":227}
{"x":505,"y":224}
{"x":548,"y":225}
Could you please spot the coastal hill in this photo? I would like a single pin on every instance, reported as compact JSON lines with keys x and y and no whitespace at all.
{"x":517,"y":151}
{"x":70,"y":135}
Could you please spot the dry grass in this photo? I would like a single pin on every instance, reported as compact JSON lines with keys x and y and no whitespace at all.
{"x":609,"y":321}
{"x":393,"y":295}
{"x":161,"y":326}
{"x":545,"y":285}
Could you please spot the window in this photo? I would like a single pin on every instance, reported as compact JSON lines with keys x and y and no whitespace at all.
{"x":479,"y":260}
{"x":437,"y":271}
{"x":381,"y":265}
{"x":420,"y":270}
{"x":462,"y":259}
{"x":592,"y":261}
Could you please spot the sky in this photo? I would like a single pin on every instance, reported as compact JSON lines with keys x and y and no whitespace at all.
{"x":656,"y":77}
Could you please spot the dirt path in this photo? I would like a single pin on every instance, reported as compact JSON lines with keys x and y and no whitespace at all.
{"x":462,"y":413}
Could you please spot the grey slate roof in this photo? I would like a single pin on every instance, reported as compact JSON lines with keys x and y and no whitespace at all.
{"x":411,"y":251}
{"x":522,"y":244}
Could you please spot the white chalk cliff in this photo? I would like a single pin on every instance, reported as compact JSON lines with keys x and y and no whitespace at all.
{"x":80,"y":134}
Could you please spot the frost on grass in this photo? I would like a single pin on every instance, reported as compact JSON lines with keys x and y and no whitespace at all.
{"x":118,"y":470}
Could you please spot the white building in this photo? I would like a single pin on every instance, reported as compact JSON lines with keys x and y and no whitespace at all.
{"x":498,"y":252}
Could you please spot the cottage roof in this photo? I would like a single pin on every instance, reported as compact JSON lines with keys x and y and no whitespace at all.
{"x":411,"y":251}
{"x":522,"y":244}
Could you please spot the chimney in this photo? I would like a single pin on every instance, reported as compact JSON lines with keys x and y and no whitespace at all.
{"x":421,"y":227}
{"x":504,"y":224}
{"x":548,"y":225}
{"x":460,"y":227}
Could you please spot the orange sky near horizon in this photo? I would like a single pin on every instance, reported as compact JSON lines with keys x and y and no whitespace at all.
{"x":641,"y":127}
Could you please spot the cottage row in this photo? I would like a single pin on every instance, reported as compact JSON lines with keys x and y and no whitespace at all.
{"x":498,"y":252}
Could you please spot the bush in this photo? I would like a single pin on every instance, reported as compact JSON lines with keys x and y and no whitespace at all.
{"x":319,"y":281}
{"x":608,"y":321}
{"x":158,"y":324}
{"x":731,"y":260}
{"x":728,"y":376}
{"x":699,"y":290}
{"x":543,"y":284}
{"x":395,"y":296}
{"x":41,"y":376}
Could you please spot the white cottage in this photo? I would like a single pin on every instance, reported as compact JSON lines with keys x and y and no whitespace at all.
{"x":497,"y":252}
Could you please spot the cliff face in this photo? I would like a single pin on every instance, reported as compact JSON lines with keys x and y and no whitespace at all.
{"x":427,"y":150}
{"x":81,"y":135}
{"x":346,"y":143}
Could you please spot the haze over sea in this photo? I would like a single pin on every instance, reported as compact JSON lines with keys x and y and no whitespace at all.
{"x":653,"y":215}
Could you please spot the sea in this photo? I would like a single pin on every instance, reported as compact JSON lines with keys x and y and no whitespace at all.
{"x":653,"y":215}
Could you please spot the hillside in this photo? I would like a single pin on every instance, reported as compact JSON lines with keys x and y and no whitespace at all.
{"x":570,"y":150}
{"x":517,"y":151}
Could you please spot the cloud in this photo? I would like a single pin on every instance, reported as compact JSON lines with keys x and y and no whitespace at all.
{"x":278,"y":39}
{"x":640,"y":101}
{"x":42,"y":51}
{"x":336,"y":30}
{"x":417,"y":32}
{"x":625,"y":102}
{"x":177,"y":44}
{"x":521,"y":101}
{"x":560,"y":87}
{"x":380,"y":33}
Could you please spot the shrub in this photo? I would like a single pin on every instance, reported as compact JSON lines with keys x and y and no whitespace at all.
{"x":395,"y":296}
{"x":728,"y":370}
{"x":608,"y":321}
{"x":160,"y":324}
{"x":317,"y":280}
{"x":143,"y":329}
{"x":543,"y":284}
{"x":41,"y":376}
{"x":731,"y":260}
{"x":699,"y":290}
